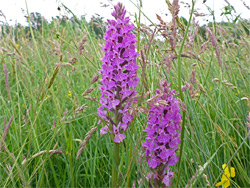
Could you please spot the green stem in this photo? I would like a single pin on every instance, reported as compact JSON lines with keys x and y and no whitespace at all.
{"x":116,"y":161}
{"x":33,"y":38}
{"x":130,"y":156}
{"x":71,"y":170}
{"x":115,"y":164}
{"x":181,"y":94}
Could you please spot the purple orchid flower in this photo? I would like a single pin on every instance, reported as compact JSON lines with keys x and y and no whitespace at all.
{"x":119,"y":77}
{"x":163,"y":135}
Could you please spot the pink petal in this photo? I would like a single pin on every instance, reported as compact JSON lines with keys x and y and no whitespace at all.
{"x":119,"y":137}
{"x":104,"y":130}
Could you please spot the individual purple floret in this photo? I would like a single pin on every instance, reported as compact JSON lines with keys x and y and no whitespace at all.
{"x":119,"y":78}
{"x":162,"y":137}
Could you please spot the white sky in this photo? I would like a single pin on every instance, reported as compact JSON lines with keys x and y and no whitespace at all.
{"x":15,"y":10}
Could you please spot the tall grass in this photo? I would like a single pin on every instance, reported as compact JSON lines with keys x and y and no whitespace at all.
{"x":47,"y":75}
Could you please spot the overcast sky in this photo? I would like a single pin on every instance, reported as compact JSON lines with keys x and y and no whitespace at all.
{"x":15,"y":10}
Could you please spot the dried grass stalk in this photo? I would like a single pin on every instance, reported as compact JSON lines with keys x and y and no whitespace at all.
{"x":54,"y":76}
{"x":94,"y":79}
{"x":84,"y":142}
{"x":5,"y":72}
{"x":6,"y":130}
{"x":198,"y":172}
{"x":91,"y":99}
{"x":87,"y":91}
{"x":215,"y":45}
{"x":82,"y":44}
{"x":41,"y":153}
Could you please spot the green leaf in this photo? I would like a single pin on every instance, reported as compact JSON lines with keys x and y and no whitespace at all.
{"x":69,"y":144}
{"x":236,"y":41}
{"x":235,"y":20}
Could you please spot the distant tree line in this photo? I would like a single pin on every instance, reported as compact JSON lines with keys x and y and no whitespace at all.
{"x":98,"y":26}
{"x":37,"y":21}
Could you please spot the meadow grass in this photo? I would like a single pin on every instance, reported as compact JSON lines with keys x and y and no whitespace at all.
{"x":45,"y":92}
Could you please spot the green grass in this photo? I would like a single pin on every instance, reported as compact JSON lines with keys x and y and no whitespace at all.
{"x":215,"y":133}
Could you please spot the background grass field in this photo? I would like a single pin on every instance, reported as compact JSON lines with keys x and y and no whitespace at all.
{"x":44,"y":71}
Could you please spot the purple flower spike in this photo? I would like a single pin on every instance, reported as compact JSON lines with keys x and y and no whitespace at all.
{"x":163,"y":135}
{"x":119,"y":78}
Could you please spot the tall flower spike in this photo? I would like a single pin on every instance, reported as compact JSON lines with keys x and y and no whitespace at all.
{"x":162,"y":137}
{"x":119,"y":78}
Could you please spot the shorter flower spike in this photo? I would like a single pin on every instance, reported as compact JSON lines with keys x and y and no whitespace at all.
{"x":163,"y":135}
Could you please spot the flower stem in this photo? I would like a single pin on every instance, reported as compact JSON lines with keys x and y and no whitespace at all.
{"x":115,"y":165}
